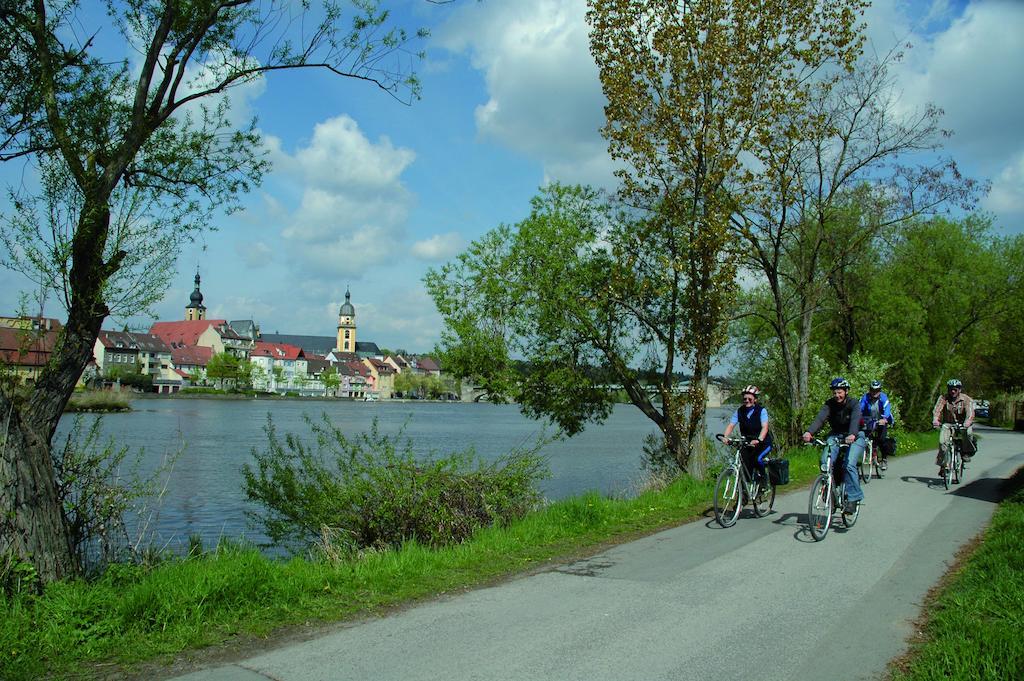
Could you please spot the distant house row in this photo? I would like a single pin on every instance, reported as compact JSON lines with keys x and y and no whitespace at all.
{"x":178,"y":354}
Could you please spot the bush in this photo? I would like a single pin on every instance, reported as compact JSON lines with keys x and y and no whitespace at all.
{"x":367,"y":492}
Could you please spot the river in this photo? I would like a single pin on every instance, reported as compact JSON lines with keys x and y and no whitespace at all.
{"x":213,"y":438}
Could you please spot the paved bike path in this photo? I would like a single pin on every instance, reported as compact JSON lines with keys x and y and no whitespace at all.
{"x":758,"y":600}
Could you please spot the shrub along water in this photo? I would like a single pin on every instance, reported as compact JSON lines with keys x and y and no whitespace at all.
{"x":371,"y":491}
{"x":134,"y":613}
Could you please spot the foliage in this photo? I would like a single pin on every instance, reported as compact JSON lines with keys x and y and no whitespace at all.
{"x":98,"y":484}
{"x":98,"y":400}
{"x":372,"y":491}
{"x":975,"y":278}
{"x":135,"y":151}
{"x":228,"y":369}
{"x":130,"y":376}
{"x":422,"y":385}
{"x":835,"y":184}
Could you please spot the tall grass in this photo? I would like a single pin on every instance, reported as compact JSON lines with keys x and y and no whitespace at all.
{"x":134,"y":613}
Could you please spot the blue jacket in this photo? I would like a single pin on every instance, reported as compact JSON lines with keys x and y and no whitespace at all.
{"x":884,"y":410}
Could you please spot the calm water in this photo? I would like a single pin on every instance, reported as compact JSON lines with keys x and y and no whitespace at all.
{"x":204,"y":492}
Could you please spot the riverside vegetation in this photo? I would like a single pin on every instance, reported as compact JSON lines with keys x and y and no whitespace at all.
{"x":429,"y":527}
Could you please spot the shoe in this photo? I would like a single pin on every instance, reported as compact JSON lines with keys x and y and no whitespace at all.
{"x":850,"y":507}
{"x":883,"y":464}
{"x":942,"y":471}
{"x":966,"y":457}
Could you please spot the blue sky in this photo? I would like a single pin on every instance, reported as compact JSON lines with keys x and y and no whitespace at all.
{"x":368,"y":193}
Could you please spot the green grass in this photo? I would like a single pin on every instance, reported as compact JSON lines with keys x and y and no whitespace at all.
{"x":98,"y":401}
{"x":136,"y":614}
{"x":975,"y":622}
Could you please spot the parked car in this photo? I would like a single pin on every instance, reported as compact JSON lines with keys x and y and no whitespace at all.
{"x":981,"y":409}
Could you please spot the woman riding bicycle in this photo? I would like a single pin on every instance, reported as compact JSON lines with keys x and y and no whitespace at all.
{"x":843,"y":416}
{"x":876,"y":417}
{"x":752,"y":419}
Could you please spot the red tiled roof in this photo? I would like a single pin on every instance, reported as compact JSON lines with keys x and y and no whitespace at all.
{"x":427,"y":364}
{"x":380,"y":366}
{"x":184,"y":333}
{"x":277,"y":350}
{"x":26,"y":350}
{"x":193,"y":355}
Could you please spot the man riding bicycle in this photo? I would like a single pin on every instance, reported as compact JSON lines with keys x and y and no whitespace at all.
{"x":752,"y":419}
{"x":955,"y":407}
{"x":876,"y":416}
{"x":843,"y":416}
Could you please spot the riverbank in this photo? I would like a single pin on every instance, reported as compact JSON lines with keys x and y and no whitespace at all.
{"x":217,"y":604}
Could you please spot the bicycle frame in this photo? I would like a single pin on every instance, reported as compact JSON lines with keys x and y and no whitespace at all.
{"x":829,"y":494}
{"x":737,"y":486}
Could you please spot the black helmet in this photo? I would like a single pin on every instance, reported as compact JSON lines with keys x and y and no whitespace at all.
{"x":876,"y":385}
{"x":839,"y":383}
{"x":954,"y":383}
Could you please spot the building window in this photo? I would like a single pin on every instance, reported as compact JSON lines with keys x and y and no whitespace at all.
{"x":346,"y":333}
{"x":346,"y":345}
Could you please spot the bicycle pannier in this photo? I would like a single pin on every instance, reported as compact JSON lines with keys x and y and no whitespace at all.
{"x":778,"y":471}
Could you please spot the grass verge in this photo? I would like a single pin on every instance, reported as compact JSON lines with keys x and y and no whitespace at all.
{"x":234,"y":594}
{"x":972,"y":624}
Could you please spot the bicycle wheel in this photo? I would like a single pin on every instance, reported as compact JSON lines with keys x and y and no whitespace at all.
{"x":819,"y":508}
{"x":764,"y":497}
{"x":728,"y":496}
{"x":877,"y":465}
{"x":947,"y":470}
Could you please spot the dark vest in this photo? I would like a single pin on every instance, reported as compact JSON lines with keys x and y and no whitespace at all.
{"x":750,"y":426}
{"x":839,"y":415}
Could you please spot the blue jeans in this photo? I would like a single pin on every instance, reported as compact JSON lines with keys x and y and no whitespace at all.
{"x":853,"y":490}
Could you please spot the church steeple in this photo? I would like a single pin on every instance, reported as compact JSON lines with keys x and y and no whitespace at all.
{"x":195,"y":309}
{"x":347,"y":325}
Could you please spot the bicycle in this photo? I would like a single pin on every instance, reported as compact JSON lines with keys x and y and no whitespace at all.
{"x":736,"y":487}
{"x":953,"y":462}
{"x":828,"y":494}
{"x":869,"y":459}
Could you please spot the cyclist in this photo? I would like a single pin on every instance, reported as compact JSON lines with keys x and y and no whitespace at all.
{"x":752,"y":419}
{"x":876,"y":416}
{"x":953,"y":407}
{"x":843,"y":416}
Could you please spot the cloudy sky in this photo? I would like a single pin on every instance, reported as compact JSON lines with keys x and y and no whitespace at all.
{"x":367,"y":193}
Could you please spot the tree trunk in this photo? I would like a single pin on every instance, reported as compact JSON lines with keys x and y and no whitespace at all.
{"x":32,"y":522}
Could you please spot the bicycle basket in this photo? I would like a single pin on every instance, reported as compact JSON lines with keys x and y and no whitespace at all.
{"x":778,"y":471}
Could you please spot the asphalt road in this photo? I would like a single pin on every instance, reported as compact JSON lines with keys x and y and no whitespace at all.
{"x":760,"y":600}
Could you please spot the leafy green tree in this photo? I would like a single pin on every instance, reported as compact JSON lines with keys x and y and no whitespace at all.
{"x":134,"y":154}
{"x":690,"y":87}
{"x":331,"y":380}
{"x":947,"y":286}
{"x":223,"y":368}
{"x":130,"y":376}
{"x":834,"y":181}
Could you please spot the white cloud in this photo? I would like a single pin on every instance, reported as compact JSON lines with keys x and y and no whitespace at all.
{"x":973,"y":71}
{"x":254,"y":254}
{"x":438,"y":247}
{"x":545,"y":99}
{"x":353,"y":207}
{"x":1007,"y":195}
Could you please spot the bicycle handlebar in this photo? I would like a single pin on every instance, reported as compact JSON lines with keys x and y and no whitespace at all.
{"x":734,"y":441}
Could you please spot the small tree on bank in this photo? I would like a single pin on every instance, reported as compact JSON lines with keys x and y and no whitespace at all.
{"x":133,"y":158}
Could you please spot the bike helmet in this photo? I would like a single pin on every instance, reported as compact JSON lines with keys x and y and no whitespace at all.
{"x":839,"y":383}
{"x":876,"y":385}
{"x":751,"y":389}
{"x":954,"y":383}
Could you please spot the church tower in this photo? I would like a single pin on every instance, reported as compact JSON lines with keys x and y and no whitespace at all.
{"x":195,"y":309}
{"x":347,"y":325}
